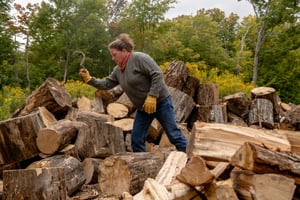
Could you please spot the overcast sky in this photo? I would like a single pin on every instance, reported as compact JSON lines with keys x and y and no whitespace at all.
{"x":188,"y":7}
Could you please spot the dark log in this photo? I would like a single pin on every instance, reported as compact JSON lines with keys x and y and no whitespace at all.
{"x":34,"y":184}
{"x":17,"y":138}
{"x":293,"y":116}
{"x":238,"y":104}
{"x":235,"y":120}
{"x":259,"y":159}
{"x":261,"y":113}
{"x":73,"y":170}
{"x":51,"y":94}
{"x":57,"y":136}
{"x":127,"y":172}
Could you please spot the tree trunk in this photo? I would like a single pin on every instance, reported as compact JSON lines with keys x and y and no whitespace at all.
{"x":126,"y":172}
{"x":34,"y":184}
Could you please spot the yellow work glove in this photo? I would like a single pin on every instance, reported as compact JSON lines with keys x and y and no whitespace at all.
{"x":85,"y":75}
{"x":150,"y":104}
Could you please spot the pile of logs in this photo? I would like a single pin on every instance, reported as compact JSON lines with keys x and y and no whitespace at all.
{"x":239,"y":147}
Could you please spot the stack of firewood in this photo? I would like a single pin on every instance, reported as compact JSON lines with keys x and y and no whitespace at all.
{"x":239,"y":148}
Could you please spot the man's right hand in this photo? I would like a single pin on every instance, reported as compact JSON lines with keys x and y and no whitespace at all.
{"x":85,"y":75}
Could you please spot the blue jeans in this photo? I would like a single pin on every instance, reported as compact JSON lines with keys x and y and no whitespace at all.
{"x":166,"y":117}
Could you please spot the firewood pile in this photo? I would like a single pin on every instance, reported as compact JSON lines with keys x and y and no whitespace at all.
{"x":239,"y":147}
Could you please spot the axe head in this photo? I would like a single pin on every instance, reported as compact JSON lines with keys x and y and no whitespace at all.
{"x":78,"y":52}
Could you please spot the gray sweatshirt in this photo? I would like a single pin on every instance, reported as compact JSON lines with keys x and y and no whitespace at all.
{"x":142,"y":76}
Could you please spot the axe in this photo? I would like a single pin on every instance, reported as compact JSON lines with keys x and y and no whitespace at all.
{"x":78,"y":52}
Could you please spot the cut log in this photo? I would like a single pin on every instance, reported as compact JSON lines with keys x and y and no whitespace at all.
{"x":127,"y":172}
{"x":249,"y":186}
{"x":98,"y":106}
{"x":117,"y":110}
{"x":91,"y":169}
{"x":219,"y":142}
{"x":124,"y":99}
{"x":98,"y":139}
{"x":238,"y":104}
{"x":294,"y":139}
{"x":260,"y":160}
{"x":56,"y":137}
{"x":75,"y":114}
{"x":225,"y":191}
{"x":210,"y":114}
{"x":183,"y":104}
{"x":109,"y":96}
{"x":52,"y":95}
{"x":70,"y":150}
{"x":34,"y":184}
{"x":293,"y":116}
{"x":17,"y":138}
{"x":73,"y":170}
{"x":208,"y":94}
{"x":236,"y":120}
{"x":222,"y":170}
{"x":270,"y":94}
{"x":195,"y":173}
{"x":261,"y":113}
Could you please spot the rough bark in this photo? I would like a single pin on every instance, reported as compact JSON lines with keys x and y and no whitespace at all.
{"x":238,"y":104}
{"x":208,"y":94}
{"x":261,"y":113}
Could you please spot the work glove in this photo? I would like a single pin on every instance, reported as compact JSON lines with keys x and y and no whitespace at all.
{"x":150,"y":104}
{"x":85,"y":75}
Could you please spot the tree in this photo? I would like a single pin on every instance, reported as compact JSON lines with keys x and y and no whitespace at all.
{"x":269,"y":14}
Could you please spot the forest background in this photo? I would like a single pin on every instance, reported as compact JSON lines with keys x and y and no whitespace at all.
{"x":237,"y":54}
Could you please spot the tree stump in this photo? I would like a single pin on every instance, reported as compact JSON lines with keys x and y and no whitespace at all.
{"x":261,"y":113}
{"x":17,"y":138}
{"x":34,"y":184}
{"x":127,"y":172}
{"x":57,"y":136}
{"x":52,"y":95}
{"x":270,"y":94}
{"x":73,"y":170}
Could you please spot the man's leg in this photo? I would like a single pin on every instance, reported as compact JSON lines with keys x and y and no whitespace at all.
{"x":140,"y":129}
{"x":166,"y":116}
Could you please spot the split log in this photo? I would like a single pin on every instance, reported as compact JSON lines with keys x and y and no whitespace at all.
{"x":127,"y":172}
{"x":208,"y":94}
{"x":34,"y":184}
{"x":84,"y":104}
{"x":219,"y":142}
{"x":52,"y":95}
{"x":294,"y":139}
{"x":47,"y":117}
{"x":75,"y":114}
{"x":222,"y":170}
{"x":117,"y":110}
{"x":261,"y":113}
{"x":270,"y":94}
{"x":225,"y":191}
{"x":73,"y":170}
{"x":98,"y":139}
{"x":91,"y":169}
{"x":249,"y":185}
{"x":260,"y":160}
{"x":17,"y":138}
{"x":57,"y":136}
{"x":183,"y":104}
{"x":195,"y":173}
{"x":238,"y":104}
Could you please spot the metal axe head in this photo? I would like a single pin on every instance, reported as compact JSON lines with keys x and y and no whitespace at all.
{"x":79,"y":52}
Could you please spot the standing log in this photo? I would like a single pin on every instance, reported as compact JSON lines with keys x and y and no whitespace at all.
{"x":249,"y":185}
{"x":73,"y":170}
{"x":52,"y":95}
{"x":260,"y":160}
{"x":183,"y":104}
{"x":208,"y":94}
{"x":127,"y":172}
{"x":57,"y":136}
{"x":17,"y":138}
{"x":270,"y":94}
{"x":99,"y":139}
{"x":219,"y":142}
{"x":91,"y":169}
{"x":238,"y":104}
{"x":34,"y":184}
{"x":261,"y":113}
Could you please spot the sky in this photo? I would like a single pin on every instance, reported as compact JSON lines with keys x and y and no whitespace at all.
{"x":190,"y":7}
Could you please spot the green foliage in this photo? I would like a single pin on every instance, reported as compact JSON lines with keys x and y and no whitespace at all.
{"x":79,"y":88}
{"x":11,"y":99}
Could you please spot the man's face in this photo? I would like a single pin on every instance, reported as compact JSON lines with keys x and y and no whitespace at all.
{"x":118,"y":56}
